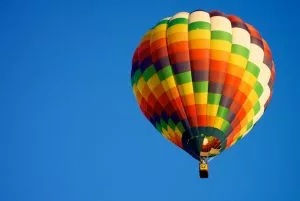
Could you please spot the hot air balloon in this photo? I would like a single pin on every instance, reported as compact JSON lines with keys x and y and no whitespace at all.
{"x":203,"y":79}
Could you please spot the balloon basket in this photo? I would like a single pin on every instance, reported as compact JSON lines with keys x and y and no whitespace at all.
{"x":203,"y":170}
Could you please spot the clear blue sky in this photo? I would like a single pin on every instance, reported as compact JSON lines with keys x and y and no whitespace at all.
{"x":71,"y":129}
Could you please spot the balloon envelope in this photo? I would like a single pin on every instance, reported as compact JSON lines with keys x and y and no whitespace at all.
{"x":203,"y":79}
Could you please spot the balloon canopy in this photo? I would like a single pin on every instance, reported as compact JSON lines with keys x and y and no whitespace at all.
{"x":203,"y":79}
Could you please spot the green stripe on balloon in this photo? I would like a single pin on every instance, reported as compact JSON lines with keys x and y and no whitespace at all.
{"x":180,"y":127}
{"x":158,"y":127}
{"x":222,"y":112}
{"x":240,"y":50}
{"x":258,"y":89}
{"x":162,"y":22}
{"x":213,"y":98}
{"x":165,"y":73}
{"x":199,"y":25}
{"x":256,"y":107}
{"x":137,"y":76}
{"x":183,"y":78}
{"x":171,"y":124}
{"x":225,"y":126}
{"x":252,"y":68}
{"x":221,"y":35}
{"x":249,"y":125}
{"x":201,"y":86}
{"x":149,"y":72}
{"x":177,"y":21}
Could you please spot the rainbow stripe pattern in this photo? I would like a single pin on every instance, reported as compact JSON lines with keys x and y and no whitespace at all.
{"x":203,"y":75}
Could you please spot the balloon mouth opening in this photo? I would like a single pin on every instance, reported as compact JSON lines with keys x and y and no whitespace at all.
{"x":210,"y":146}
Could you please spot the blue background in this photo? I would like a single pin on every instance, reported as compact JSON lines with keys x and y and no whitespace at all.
{"x":70,"y":128}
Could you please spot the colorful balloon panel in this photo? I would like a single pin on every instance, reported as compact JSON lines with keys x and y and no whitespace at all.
{"x":203,"y":77}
